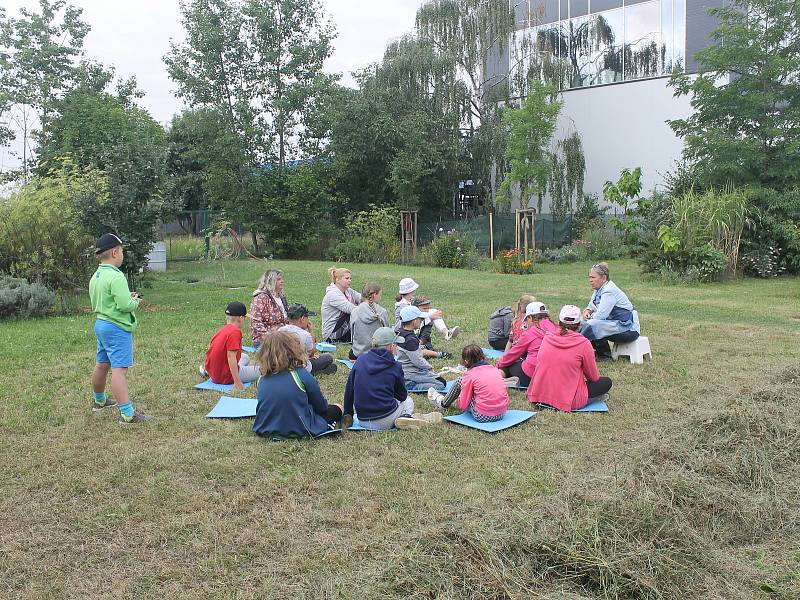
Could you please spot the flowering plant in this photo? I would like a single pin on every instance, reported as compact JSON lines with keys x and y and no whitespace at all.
{"x":511,"y":261}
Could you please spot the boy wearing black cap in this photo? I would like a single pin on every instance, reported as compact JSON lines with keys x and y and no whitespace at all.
{"x":115,"y":306}
{"x":300,"y":326}
{"x":225,"y":361}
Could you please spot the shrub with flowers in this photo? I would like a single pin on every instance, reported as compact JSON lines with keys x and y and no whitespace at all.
{"x":511,"y":261}
{"x":451,"y":249}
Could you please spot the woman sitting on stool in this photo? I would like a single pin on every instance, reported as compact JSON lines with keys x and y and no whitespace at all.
{"x":609,"y":316}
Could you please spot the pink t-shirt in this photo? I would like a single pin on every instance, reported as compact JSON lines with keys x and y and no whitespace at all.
{"x":528,"y":346}
{"x":484,"y":385}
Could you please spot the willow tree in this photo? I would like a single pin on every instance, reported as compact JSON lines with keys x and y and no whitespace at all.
{"x":463,"y":34}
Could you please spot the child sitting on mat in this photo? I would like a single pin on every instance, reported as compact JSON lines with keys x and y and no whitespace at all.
{"x":225,"y":361}
{"x":481,"y":389}
{"x":417,"y":371}
{"x":290,"y":402}
{"x":366,"y":318}
{"x":518,"y":325}
{"x":405,"y":297}
{"x":376,"y":389}
{"x":520,"y":360}
{"x":422,"y":303}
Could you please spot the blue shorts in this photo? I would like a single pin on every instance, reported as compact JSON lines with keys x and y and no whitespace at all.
{"x":114,"y":344}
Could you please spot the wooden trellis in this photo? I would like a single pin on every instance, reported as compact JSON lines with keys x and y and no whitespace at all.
{"x":525,"y":230}
{"x":408,"y":235}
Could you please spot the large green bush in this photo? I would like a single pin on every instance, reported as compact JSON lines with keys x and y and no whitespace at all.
{"x":41,"y":239}
{"x":372,"y":236}
{"x":772,"y":237}
{"x":452,"y":249}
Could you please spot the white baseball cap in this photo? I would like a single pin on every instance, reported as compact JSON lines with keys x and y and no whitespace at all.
{"x":535,"y":309}
{"x":570,"y":314}
{"x":408,"y":285}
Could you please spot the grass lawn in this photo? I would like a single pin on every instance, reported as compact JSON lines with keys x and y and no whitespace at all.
{"x":687,"y":488}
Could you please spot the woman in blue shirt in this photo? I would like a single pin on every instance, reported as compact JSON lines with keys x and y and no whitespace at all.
{"x":609,"y":316}
{"x":290,"y":401}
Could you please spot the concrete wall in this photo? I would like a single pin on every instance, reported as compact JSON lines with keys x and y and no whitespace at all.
{"x":623,"y":125}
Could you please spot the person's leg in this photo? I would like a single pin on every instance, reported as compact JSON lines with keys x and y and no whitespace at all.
{"x":426,"y":382}
{"x":323,"y":365}
{"x":99,"y":379}
{"x":119,"y":387}
{"x":598,"y":388}
{"x":601,"y":347}
{"x":119,"y":345}
{"x":334,"y":413}
{"x":425,"y":336}
{"x":249,"y":373}
{"x":499,"y":344}
{"x":515,"y":370}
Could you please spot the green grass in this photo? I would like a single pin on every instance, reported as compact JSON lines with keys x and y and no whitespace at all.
{"x":686,"y":489}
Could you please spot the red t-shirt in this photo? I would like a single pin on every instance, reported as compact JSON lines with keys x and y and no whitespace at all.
{"x":229,"y":337}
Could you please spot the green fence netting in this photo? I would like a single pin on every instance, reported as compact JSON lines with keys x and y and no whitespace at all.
{"x":550,"y":232}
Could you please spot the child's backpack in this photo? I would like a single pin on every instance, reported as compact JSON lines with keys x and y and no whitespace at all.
{"x":500,"y":323}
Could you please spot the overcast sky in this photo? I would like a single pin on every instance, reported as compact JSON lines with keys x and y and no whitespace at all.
{"x":134,"y":35}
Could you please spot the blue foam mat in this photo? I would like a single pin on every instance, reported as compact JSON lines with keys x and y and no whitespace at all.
{"x":424,"y":390}
{"x":492,"y":353}
{"x":326,"y":347}
{"x":510,"y":419}
{"x":218,"y":387}
{"x":347,"y":363}
{"x":598,"y":406}
{"x":233,"y":408}
{"x":250,"y":349}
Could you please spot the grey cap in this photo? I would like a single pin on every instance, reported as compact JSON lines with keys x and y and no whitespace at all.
{"x":385,"y":336}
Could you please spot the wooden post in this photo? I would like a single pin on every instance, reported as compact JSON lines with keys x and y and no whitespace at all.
{"x":491,"y":234}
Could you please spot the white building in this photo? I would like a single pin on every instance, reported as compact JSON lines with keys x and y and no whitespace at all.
{"x":619,"y":54}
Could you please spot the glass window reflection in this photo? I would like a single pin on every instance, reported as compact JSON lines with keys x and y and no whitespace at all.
{"x":642,"y":40}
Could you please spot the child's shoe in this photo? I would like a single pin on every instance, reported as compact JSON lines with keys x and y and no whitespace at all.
{"x":136,"y":418}
{"x":203,"y":371}
{"x":346,"y":422}
{"x":511,"y":381}
{"x":445,"y":355}
{"x":435,"y":397}
{"x":452,"y":333}
{"x":433,"y":418}
{"x":96,"y":407}
{"x":410,"y":423}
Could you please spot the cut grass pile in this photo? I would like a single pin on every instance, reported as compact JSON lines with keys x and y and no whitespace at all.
{"x":687,"y":488}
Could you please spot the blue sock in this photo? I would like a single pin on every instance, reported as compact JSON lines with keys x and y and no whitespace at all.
{"x":100,"y":397}
{"x":126,"y":410}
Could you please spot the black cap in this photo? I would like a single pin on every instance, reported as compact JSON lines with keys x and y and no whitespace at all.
{"x":107,"y":241}
{"x":298,"y":311}
{"x":421,"y":301}
{"x":236,"y":309}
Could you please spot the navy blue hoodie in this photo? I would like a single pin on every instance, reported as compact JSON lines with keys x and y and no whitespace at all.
{"x":375,"y":386}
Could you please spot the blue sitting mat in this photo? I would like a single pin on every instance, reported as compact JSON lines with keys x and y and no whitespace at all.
{"x":233,"y":408}
{"x":510,"y":419}
{"x":356,"y":426}
{"x":325,"y":347}
{"x":250,"y":349}
{"x":424,"y":390}
{"x":492,"y":353}
{"x":347,"y":363}
{"x":598,"y":406}
{"x":217,"y":387}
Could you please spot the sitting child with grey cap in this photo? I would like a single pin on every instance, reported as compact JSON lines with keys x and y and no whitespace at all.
{"x":376,"y":389}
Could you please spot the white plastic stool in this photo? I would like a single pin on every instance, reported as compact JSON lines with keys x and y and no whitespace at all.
{"x":635,"y":350}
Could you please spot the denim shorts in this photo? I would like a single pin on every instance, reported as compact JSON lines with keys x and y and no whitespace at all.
{"x":114,"y":344}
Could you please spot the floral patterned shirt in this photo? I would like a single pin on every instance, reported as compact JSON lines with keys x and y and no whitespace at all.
{"x":266,"y":315}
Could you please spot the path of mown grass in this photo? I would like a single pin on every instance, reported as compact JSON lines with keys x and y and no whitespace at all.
{"x":185,"y":507}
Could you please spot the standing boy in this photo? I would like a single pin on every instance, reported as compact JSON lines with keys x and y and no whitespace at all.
{"x":115,"y":306}
{"x":225,"y":361}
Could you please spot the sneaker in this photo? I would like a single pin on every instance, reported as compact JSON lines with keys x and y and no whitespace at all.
{"x":452,"y":394}
{"x":410,"y":423}
{"x":98,"y":407}
{"x":432,"y":417}
{"x":603,"y":398}
{"x":136,"y":418}
{"x":203,"y":372}
{"x":511,"y":381}
{"x":346,"y":422}
{"x":435,"y":397}
{"x":445,"y":355}
{"x":453,"y":333}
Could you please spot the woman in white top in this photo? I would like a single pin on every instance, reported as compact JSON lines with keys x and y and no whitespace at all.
{"x":337,"y":305}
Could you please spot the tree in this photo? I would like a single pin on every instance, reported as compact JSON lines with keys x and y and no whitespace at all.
{"x":531,"y":128}
{"x":98,"y":130}
{"x":746,"y":121}
{"x":38,"y":54}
